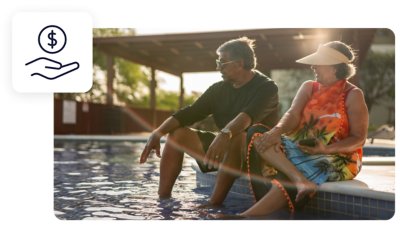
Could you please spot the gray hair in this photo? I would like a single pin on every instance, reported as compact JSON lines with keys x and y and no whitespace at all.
{"x":344,"y":70}
{"x":240,"y":48}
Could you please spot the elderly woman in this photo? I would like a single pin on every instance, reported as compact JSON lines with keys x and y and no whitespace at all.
{"x":319,"y":139}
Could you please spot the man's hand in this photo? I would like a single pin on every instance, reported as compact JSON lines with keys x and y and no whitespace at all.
{"x":216,"y":151}
{"x":152,"y":143}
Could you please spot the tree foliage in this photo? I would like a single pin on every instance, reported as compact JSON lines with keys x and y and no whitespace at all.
{"x":377,"y":78}
{"x":131,"y":83}
{"x":288,"y":82}
{"x":169,"y":100}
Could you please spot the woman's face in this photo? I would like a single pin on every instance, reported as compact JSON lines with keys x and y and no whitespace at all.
{"x":324,"y":74}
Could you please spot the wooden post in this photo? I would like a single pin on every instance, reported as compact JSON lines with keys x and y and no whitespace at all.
{"x":110,"y":117}
{"x":182,"y":91}
{"x":153,"y":86}
{"x":110,"y":79}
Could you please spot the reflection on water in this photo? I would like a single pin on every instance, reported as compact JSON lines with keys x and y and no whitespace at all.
{"x":98,"y":180}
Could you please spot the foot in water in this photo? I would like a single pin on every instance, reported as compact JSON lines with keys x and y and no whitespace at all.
{"x":209,"y":205}
{"x":225,"y":217}
{"x":305,"y":188}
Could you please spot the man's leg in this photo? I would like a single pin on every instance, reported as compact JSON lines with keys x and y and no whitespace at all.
{"x":180,"y":141}
{"x":229,"y":170}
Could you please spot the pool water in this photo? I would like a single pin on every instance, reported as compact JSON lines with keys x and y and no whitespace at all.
{"x":104,"y":180}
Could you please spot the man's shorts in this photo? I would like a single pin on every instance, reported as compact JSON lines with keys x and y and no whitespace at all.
{"x":206,"y":138}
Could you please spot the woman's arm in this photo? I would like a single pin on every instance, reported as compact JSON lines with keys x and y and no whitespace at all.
{"x":358,"y":121}
{"x":289,"y":120}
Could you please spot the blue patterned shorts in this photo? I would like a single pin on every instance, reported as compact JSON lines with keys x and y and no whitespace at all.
{"x":316,"y":168}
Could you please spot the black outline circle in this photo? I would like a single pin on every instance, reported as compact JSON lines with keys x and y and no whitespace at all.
{"x":40,"y":34}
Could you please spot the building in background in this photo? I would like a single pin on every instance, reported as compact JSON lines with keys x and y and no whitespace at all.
{"x":371,"y":79}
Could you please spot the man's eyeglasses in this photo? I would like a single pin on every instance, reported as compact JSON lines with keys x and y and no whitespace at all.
{"x":220,"y":64}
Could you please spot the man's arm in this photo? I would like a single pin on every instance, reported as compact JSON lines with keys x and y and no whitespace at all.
{"x":239,"y":124}
{"x":153,"y":142}
{"x":199,"y":110}
{"x":264,"y":102}
{"x":186,"y":116}
{"x":220,"y":145}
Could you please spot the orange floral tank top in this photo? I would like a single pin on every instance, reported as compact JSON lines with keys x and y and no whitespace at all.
{"x":325,"y":117}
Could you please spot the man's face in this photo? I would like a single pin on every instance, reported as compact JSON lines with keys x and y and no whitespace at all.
{"x":227,"y":66}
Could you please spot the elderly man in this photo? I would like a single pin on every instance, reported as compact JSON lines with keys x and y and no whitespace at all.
{"x":244,"y":97}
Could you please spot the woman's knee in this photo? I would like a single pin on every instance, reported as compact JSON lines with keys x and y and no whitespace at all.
{"x":261,"y":150}
{"x":254,"y":130}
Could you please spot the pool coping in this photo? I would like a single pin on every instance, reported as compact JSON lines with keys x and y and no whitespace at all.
{"x":340,"y":200}
{"x":353,"y":187}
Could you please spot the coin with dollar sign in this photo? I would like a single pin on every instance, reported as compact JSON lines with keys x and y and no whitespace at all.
{"x":52,"y":39}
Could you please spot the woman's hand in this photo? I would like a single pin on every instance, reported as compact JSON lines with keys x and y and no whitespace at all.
{"x":268,"y":139}
{"x":319,"y":148}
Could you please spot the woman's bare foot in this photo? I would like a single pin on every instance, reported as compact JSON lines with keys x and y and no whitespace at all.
{"x":305,"y":188}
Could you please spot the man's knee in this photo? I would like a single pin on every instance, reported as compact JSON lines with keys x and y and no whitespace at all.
{"x":175,"y":141}
{"x":236,"y":149}
{"x":185,"y":140}
{"x":179,"y":134}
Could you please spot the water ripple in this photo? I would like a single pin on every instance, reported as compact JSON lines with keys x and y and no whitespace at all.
{"x":96,"y":180}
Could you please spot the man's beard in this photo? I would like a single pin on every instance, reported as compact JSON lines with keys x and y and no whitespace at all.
{"x":225,"y":78}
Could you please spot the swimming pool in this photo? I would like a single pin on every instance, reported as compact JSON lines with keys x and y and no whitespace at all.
{"x":104,"y":180}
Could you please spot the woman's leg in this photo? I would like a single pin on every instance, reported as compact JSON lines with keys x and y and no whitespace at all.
{"x":271,"y":202}
{"x":277,"y":159}
{"x":253,"y":163}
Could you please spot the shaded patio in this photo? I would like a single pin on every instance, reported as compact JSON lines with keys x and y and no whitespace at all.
{"x":195,"y":52}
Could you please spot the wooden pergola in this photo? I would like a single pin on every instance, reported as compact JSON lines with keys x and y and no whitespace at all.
{"x":195,"y":52}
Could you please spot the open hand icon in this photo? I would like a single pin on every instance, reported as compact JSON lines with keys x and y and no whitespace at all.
{"x":50,"y":69}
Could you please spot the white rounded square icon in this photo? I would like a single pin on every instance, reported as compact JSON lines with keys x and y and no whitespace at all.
{"x":52,"y":52}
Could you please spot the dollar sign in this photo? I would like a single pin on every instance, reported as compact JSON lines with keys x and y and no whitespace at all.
{"x":53,"y":41}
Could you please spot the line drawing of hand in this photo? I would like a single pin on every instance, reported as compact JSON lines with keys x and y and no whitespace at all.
{"x":51,"y":68}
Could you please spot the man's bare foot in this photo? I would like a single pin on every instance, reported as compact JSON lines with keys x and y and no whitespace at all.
{"x":305,"y":188}
{"x":164,"y":196}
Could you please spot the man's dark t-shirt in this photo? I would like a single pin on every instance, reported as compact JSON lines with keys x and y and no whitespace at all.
{"x":258,"y":98}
